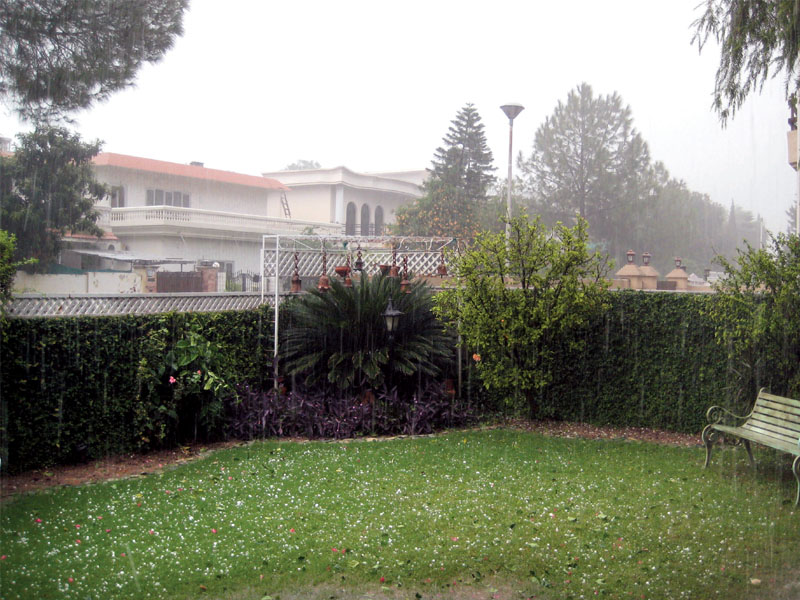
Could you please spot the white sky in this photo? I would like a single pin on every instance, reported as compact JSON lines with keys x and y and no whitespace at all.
{"x":254,"y":85}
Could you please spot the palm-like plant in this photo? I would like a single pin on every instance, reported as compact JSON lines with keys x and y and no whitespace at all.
{"x":339,"y":337}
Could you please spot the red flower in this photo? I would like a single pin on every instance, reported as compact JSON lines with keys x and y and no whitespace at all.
{"x":38,"y":520}
{"x":382,"y":580}
{"x":476,"y":357}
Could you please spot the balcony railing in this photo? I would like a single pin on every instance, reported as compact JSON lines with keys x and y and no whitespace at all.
{"x":165,"y":216}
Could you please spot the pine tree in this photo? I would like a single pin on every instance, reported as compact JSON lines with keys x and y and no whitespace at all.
{"x":58,"y":56}
{"x":465,"y":161}
{"x":461,"y":175}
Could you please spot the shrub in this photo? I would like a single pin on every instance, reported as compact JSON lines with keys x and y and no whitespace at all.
{"x":338,"y":339}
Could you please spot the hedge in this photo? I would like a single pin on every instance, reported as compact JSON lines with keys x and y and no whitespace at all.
{"x":70,"y":386}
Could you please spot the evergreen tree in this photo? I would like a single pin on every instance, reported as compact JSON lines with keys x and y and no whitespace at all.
{"x":458,"y":188}
{"x":58,"y":56}
{"x":48,"y":187}
{"x":465,"y":161}
{"x":588,"y":160}
{"x":791,"y":219}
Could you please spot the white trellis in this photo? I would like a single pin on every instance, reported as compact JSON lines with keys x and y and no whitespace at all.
{"x":423,"y":257}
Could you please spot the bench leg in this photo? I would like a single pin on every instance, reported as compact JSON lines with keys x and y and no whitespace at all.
{"x":709,"y":436}
{"x":749,"y":453}
{"x":796,"y":471}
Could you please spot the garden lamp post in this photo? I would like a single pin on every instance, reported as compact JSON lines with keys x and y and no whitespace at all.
{"x":391,"y":317}
{"x":511,"y":111}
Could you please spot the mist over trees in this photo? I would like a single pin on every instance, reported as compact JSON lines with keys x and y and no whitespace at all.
{"x":302,"y":164}
{"x":589,"y":161}
{"x":459,"y":185}
{"x":58,"y":56}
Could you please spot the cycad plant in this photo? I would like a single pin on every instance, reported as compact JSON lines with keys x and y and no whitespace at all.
{"x":337,"y":340}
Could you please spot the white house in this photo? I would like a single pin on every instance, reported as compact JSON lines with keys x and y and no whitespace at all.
{"x":175,"y":211}
{"x":362,"y":202}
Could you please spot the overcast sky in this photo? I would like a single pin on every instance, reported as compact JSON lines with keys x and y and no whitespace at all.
{"x":254,"y":85}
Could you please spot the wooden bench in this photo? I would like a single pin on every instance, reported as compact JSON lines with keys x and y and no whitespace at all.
{"x":774,"y":422}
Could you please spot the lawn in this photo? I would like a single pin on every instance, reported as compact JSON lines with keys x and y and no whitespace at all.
{"x":482,"y":514}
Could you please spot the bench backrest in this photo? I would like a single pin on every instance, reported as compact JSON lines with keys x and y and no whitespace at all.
{"x":776,"y":417}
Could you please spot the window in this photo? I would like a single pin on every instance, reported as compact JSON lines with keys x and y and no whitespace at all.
{"x":364,"y":220}
{"x":350,"y":221}
{"x":117,"y":197}
{"x":172,"y":198}
{"x":378,"y":220}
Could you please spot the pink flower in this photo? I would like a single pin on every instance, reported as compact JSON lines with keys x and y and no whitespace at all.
{"x":151,"y":532}
{"x":454,"y":539}
{"x":199,"y":372}
{"x":38,"y":520}
{"x":3,"y":557}
{"x":172,"y":379}
{"x":122,"y":554}
{"x":335,"y":550}
{"x":213,"y":531}
{"x":70,"y":579}
{"x":291,"y":530}
{"x":77,"y":541}
{"x":77,"y":526}
{"x":108,"y":531}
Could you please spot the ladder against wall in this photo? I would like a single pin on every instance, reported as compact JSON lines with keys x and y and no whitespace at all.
{"x":285,"y":205}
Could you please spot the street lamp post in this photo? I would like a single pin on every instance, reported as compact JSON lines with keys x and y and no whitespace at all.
{"x":511,"y":111}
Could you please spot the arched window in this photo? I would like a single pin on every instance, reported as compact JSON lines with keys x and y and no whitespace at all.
{"x":364,"y":219}
{"x":378,"y":220}
{"x":350,"y":219}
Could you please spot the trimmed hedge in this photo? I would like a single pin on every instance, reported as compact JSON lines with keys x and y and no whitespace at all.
{"x":70,"y":387}
{"x":651,"y":360}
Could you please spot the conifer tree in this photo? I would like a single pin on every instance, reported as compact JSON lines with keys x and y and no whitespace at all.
{"x":465,"y":161}
{"x":461,"y":175}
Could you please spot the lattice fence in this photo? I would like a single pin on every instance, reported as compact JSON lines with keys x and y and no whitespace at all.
{"x":31,"y":305}
{"x":423,"y":255}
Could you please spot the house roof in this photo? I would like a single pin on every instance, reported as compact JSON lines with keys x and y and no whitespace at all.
{"x":135,"y":163}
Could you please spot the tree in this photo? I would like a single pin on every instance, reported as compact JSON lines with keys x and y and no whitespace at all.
{"x":465,"y":161}
{"x":514,"y":298}
{"x":302,"y":165}
{"x":48,"y":187}
{"x":588,"y":160}
{"x":58,"y":56}
{"x":791,"y":219}
{"x":758,"y":39}
{"x":757,"y":313}
{"x":461,"y":174}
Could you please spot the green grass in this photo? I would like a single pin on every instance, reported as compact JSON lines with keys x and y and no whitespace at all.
{"x":488,"y":513}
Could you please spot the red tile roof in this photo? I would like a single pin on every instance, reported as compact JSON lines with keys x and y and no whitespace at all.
{"x":194,"y":172}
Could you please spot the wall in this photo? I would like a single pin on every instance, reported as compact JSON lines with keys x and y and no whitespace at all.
{"x":94,"y":282}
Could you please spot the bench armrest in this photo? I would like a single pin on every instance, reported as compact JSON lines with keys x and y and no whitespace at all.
{"x":715,"y":414}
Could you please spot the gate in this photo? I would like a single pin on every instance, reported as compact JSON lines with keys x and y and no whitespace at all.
{"x":177,"y":282}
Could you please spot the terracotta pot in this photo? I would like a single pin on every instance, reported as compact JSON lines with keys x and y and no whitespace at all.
{"x":342,"y":270}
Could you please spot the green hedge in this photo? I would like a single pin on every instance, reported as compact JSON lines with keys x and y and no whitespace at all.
{"x":70,"y":387}
{"x":650,"y":360}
